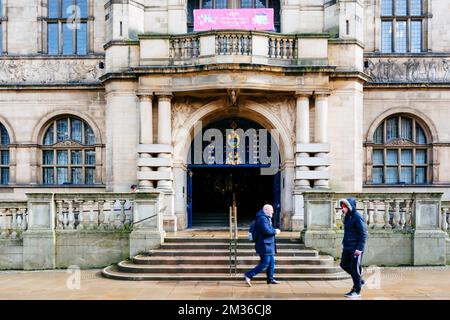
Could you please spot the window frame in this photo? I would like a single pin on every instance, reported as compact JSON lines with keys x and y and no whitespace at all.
{"x":5,"y":148}
{"x":408,"y":18}
{"x":60,"y":21}
{"x":69,"y":145}
{"x":399,"y":144}
{"x":3,"y":27}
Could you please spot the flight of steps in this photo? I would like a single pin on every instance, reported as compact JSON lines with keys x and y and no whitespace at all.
{"x":210,"y":219}
{"x":185,"y":259}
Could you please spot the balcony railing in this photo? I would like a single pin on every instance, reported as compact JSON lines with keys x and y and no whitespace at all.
{"x":233,"y":46}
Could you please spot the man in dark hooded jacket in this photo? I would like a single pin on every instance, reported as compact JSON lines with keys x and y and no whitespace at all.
{"x":265,"y":245}
{"x":353,"y":244}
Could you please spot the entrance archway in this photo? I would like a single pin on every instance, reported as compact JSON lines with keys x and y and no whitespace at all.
{"x":244,"y":164}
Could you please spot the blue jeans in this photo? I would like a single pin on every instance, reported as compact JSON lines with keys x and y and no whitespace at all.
{"x":267,"y":262}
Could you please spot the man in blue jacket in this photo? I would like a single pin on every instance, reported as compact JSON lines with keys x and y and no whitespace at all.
{"x":353,"y":244}
{"x":265,"y":245}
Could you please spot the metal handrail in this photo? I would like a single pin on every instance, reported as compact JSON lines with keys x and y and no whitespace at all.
{"x":233,"y":238}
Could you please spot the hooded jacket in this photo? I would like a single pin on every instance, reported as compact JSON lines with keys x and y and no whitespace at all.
{"x":265,"y":235}
{"x":355,"y":233}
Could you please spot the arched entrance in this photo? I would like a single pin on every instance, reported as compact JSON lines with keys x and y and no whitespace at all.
{"x":232,"y":157}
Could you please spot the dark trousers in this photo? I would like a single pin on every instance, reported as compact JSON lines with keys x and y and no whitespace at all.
{"x":267,"y":261}
{"x":352,"y":265}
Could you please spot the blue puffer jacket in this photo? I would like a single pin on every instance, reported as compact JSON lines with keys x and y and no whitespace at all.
{"x":265,"y":235}
{"x":355,"y":233}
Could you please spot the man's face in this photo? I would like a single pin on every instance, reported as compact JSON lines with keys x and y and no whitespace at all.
{"x":344,"y":209}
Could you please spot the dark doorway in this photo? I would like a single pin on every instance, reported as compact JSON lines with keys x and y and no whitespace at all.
{"x":213,"y":188}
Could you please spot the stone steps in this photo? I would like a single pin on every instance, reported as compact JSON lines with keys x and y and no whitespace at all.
{"x":128,"y":266}
{"x":225,"y":252}
{"x":207,"y":258}
{"x":224,"y":260}
{"x":112,"y":273}
{"x":223,"y":245}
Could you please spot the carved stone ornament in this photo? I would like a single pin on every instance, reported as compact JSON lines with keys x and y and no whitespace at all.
{"x":283,"y":108}
{"x":67,"y":144}
{"x":408,"y":70}
{"x":49,"y":71}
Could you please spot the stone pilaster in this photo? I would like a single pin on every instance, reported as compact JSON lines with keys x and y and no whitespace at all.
{"x":321,"y":134}
{"x":145,"y":136}
{"x":165,"y":170}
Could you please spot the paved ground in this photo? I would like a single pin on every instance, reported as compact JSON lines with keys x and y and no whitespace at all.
{"x":389,"y":283}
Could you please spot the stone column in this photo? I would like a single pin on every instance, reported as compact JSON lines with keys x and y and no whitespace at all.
{"x":302,"y":133}
{"x":301,"y":138}
{"x":165,"y":138}
{"x":321,"y":132}
{"x":164,"y":133}
{"x":146,"y":133}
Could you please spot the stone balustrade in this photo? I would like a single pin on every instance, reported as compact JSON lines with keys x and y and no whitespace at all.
{"x":13,"y":219}
{"x":101,"y":211}
{"x":388,"y":211}
{"x":183,"y":48}
{"x":233,"y":43}
{"x":445,"y":216}
{"x":232,"y":46}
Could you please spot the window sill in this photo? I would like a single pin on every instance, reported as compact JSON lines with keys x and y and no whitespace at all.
{"x":406,"y":185}
{"x":53,"y":186}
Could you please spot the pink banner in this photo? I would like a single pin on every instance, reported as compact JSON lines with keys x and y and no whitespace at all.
{"x":247,"y":19}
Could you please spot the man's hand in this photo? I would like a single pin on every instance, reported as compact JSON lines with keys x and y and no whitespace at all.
{"x":277,"y":231}
{"x":357,"y":253}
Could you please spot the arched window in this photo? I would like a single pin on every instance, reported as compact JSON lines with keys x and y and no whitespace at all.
{"x":68,"y":152}
{"x":232,"y":4}
{"x":401,"y":153}
{"x":4,"y":155}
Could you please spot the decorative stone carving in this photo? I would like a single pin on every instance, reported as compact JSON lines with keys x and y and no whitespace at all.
{"x":408,"y":70}
{"x":183,"y":108}
{"x":49,"y":71}
{"x":283,"y":108}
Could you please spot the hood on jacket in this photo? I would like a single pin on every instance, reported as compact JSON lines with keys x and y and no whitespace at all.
{"x":350,"y":203}
{"x":260,"y":213}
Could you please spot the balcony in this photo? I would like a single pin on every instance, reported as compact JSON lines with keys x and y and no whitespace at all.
{"x":233,"y":46}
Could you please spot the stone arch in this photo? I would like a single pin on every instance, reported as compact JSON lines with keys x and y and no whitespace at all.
{"x":39,"y":129}
{"x":9,"y":129}
{"x":427,"y":124}
{"x":215,"y":110}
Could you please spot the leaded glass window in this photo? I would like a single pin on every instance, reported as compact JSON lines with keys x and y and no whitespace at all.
{"x":400,"y":152}
{"x":401,"y":26}
{"x":68,"y":152}
{"x":4,"y":155}
{"x":67,"y":22}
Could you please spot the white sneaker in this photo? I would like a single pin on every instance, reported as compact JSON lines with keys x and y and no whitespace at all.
{"x":249,"y":281}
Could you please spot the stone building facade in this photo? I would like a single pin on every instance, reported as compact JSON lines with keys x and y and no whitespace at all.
{"x":357,"y":91}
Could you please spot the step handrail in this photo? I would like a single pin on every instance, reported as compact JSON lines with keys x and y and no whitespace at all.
{"x":233,"y":238}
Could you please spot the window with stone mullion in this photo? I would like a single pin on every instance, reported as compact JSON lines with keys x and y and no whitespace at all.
{"x":74,"y":164}
{"x":4,"y":156}
{"x":405,"y":163}
{"x":67,"y":24}
{"x":401,"y":26}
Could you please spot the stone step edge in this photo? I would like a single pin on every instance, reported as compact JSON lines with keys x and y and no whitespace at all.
{"x":108,"y":272}
{"x":127,"y":264}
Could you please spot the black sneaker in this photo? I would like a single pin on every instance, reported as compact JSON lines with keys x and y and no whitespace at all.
{"x":273,"y":282}
{"x":353,"y":294}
